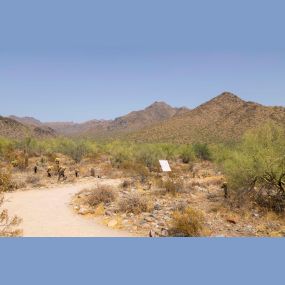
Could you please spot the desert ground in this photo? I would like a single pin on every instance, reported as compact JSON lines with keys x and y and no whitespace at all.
{"x":52,"y":208}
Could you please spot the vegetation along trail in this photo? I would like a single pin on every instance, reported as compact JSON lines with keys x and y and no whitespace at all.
{"x":47,"y":213}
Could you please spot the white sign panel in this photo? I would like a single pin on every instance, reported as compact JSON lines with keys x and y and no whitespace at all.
{"x":165,"y":166}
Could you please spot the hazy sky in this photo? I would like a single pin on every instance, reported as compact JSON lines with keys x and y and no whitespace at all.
{"x":79,"y":60}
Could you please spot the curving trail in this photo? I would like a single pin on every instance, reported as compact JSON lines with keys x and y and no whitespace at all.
{"x":47,"y":213}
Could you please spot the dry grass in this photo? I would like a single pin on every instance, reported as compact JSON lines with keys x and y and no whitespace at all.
{"x":33,"y":179}
{"x":170,"y":186}
{"x":187,"y":223}
{"x":100,"y":194}
{"x":8,"y":226}
{"x":6,"y":183}
{"x":134,"y":203}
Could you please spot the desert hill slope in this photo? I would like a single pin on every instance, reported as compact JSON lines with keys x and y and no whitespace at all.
{"x":134,"y":121}
{"x":14,"y":129}
{"x":224,"y":118}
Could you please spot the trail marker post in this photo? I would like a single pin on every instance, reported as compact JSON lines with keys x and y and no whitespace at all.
{"x":165,"y":166}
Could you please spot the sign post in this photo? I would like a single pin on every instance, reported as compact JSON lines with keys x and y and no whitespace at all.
{"x":165,"y":166}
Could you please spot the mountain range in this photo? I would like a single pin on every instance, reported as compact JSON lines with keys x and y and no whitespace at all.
{"x":224,"y":118}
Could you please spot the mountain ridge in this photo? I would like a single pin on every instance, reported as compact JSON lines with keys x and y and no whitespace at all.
{"x":225,"y":117}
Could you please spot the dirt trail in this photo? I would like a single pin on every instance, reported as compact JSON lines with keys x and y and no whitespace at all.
{"x":47,"y":213}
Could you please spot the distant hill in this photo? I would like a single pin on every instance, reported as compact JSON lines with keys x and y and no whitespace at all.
{"x":12,"y":128}
{"x":134,"y":121}
{"x":27,"y":120}
{"x":224,"y":118}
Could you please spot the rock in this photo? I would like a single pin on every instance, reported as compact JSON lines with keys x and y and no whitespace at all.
{"x":164,"y":232}
{"x":152,"y":234}
{"x":85,"y":211}
{"x":112,"y":223}
{"x":157,"y":207}
{"x":142,"y":222}
{"x":161,"y":224}
{"x":108,"y":213}
{"x":231,"y":221}
{"x":148,"y":219}
{"x":146,"y":226}
{"x":134,"y":228}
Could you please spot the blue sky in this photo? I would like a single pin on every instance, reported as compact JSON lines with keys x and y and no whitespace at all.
{"x":79,"y":60}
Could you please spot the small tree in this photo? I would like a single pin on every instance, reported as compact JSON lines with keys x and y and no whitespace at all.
{"x":202,"y":151}
{"x":187,"y":154}
{"x":149,"y":155}
{"x":257,"y":166}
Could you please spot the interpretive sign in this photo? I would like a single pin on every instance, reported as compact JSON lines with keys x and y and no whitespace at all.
{"x":164,"y":165}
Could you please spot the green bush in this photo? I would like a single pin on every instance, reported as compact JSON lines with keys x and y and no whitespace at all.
{"x":202,"y":151}
{"x":257,"y":166}
{"x":120,"y":152}
{"x":149,"y":155}
{"x":187,"y":154}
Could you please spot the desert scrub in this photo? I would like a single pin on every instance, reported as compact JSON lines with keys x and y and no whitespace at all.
{"x":149,"y":155}
{"x":99,"y":195}
{"x":134,"y":203}
{"x":8,"y":225}
{"x":202,"y":151}
{"x":187,"y":154}
{"x":187,"y":223}
{"x":173,"y":186}
{"x":5,"y":182}
{"x":33,"y":179}
{"x":256,"y":167}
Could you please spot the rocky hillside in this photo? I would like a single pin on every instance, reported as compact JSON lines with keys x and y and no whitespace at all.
{"x":14,"y":129}
{"x":134,"y":121}
{"x":224,"y":118}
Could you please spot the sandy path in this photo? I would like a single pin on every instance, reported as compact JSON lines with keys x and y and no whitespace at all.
{"x":47,"y":213}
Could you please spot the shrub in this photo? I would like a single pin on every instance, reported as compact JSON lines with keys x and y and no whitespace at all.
{"x":187,"y":223}
{"x":169,"y":151}
{"x":187,"y":154}
{"x":5,"y":182}
{"x":127,"y":184}
{"x":149,"y":156}
{"x":74,"y":149}
{"x":33,"y":179}
{"x":141,"y":171}
{"x":7,"y":225}
{"x":6,"y":148}
{"x":134,"y":203}
{"x":257,"y":167}
{"x":121,"y":153}
{"x":173,"y":187}
{"x":101,"y":194}
{"x":202,"y":151}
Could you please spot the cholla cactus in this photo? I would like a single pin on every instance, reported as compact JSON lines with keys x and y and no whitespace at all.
{"x":57,"y":160}
{"x":15,"y":163}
